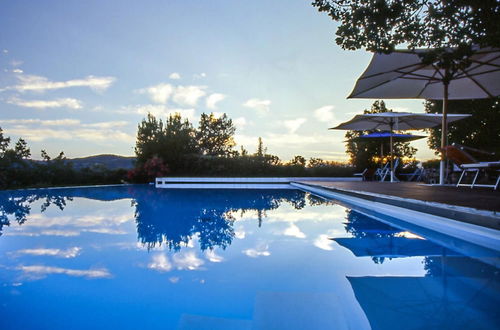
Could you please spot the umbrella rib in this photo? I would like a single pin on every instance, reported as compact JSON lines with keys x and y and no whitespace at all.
{"x":428,"y":82}
{"x":385,"y":81}
{"x":465,"y":72}
{"x":395,"y":70}
{"x":487,"y":62}
{"x":478,"y":84}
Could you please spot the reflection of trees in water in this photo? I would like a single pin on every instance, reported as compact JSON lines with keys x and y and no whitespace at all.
{"x":173,"y":217}
{"x":170,"y":217}
{"x":360,"y":225}
{"x":458,"y":266}
{"x":17,"y":205}
{"x":363,"y":226}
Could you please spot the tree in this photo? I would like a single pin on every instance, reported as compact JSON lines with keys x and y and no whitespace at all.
{"x":178,"y":143}
{"x":21,"y":149}
{"x":215,"y":136}
{"x":298,"y":161}
{"x":4,"y":143}
{"x":381,"y":25}
{"x":150,"y":133}
{"x":364,"y":154}
{"x":481,"y":129}
{"x":261,"y":151}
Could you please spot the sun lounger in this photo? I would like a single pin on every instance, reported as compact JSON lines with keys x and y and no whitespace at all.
{"x":367,"y":174}
{"x":385,"y":172}
{"x":468,"y":164}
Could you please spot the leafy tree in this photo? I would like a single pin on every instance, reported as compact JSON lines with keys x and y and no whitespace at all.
{"x":21,"y":149}
{"x":363,"y":154}
{"x":150,"y":134}
{"x":178,"y":143}
{"x":481,"y":129}
{"x":261,"y":151}
{"x":298,"y":161}
{"x":216,"y":135}
{"x":381,"y":25}
{"x":172,"y":141}
{"x":4,"y":143}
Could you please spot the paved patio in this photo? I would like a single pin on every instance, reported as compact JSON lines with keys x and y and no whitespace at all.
{"x":478,"y":198}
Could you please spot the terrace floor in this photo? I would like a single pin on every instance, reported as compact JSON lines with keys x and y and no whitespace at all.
{"x":485,"y":199}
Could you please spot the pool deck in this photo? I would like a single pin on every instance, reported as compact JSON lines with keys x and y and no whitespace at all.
{"x":480,"y":206}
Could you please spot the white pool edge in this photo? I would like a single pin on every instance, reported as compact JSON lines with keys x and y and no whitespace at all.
{"x":479,"y":235}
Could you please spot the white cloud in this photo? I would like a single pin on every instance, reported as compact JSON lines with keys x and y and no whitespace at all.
{"x":175,"y":76}
{"x":261,"y":106}
{"x":39,"y":83}
{"x":188,"y":95}
{"x":40,"y":271}
{"x":240,"y":233}
{"x":56,"y":122}
{"x":68,"y":129}
{"x":323,"y":242}
{"x":160,"y":263}
{"x":5,"y":51}
{"x":213,"y":99}
{"x":187,"y":260}
{"x":260,"y":250}
{"x":17,"y":71}
{"x":240,"y":122}
{"x":174,"y":279}
{"x":159,"y":110}
{"x":325,"y":114}
{"x":199,"y":75}
{"x":43,"y":104}
{"x":294,"y":124}
{"x":107,"y":124}
{"x":68,"y":253}
{"x":159,"y":93}
{"x":213,"y":257}
{"x":294,"y":231}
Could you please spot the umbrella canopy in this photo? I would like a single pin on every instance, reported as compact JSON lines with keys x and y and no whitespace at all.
{"x":389,"y":121}
{"x":385,"y":136}
{"x":403,"y":74}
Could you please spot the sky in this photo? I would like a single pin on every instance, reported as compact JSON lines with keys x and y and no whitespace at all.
{"x":79,"y":76}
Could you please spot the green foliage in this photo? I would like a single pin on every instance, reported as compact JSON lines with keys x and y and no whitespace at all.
{"x":381,"y":25}
{"x":364,"y":154}
{"x":481,"y":129}
{"x":150,"y":135}
{"x":215,"y":135}
{"x":17,"y":170}
{"x":173,"y":141}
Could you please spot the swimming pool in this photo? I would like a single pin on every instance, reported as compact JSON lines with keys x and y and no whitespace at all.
{"x":136,"y":257}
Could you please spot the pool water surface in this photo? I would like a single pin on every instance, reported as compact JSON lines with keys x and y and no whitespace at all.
{"x":136,"y":257}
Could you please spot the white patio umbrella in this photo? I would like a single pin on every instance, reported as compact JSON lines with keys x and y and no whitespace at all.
{"x":390,"y":121}
{"x":402,"y":74}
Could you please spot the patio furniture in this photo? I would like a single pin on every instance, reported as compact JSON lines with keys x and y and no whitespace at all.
{"x":367,"y":174}
{"x":405,"y":74}
{"x":468,"y":164}
{"x":391,"y":121}
{"x":386,"y":171}
{"x":416,"y":175}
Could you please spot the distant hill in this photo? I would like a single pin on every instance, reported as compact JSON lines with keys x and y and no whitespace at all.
{"x":111,"y":162}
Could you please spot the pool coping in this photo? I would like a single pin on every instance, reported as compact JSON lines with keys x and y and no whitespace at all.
{"x":484,"y":218}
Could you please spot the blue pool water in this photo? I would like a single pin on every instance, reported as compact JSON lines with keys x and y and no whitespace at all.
{"x":136,"y":257}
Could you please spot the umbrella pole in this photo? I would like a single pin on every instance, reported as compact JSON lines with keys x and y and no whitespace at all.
{"x":392,"y":157}
{"x":382,"y":154}
{"x":444,"y":134}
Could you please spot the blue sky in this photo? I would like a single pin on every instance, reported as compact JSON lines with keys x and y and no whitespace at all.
{"x":79,"y":76}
